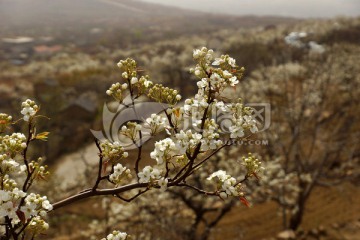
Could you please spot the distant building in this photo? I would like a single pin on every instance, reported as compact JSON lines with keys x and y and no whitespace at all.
{"x":46,"y":51}
{"x":17,"y":50}
{"x":18,"y":40}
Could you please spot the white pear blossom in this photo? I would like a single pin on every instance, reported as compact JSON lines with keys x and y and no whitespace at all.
{"x":12,"y":144}
{"x":226,"y":74}
{"x":228,"y":184}
{"x":125,"y":75}
{"x":29,"y":109}
{"x":116,"y":235}
{"x":148,"y":174}
{"x":155,"y":123}
{"x":4,"y":196}
{"x":134,"y":80}
{"x":218,"y":61}
{"x":8,"y":209}
{"x":187,"y":141}
{"x":112,"y":151}
{"x":162,"y":182}
{"x":120,"y":173}
{"x":164,"y":150}
{"x":233,"y":81}
{"x":231,"y":62}
{"x":29,"y":210}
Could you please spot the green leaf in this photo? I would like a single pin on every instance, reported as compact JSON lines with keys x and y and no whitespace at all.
{"x":42,"y":136}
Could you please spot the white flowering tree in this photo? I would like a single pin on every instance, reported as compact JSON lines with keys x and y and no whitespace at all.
{"x":313,"y":127}
{"x":186,"y":149}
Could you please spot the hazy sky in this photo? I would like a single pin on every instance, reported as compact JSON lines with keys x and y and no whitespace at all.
{"x":294,"y":8}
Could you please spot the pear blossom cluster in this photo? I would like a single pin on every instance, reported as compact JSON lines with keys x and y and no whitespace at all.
{"x":116,"y":235}
{"x":216,"y":79}
{"x":164,"y":151}
{"x":176,"y":115}
{"x":38,"y":170}
{"x":9,"y":200}
{"x":149,"y":174}
{"x":187,"y":141}
{"x":117,"y":91}
{"x":241,"y":120}
{"x":227,"y":185}
{"x":203,"y":53}
{"x":34,"y":206}
{"x":7,"y":164}
{"x":12,"y":144}
{"x":5,"y":121}
{"x":219,"y":79}
{"x":210,"y":137}
{"x":37,"y":225}
{"x":29,"y":109}
{"x":195,"y":107}
{"x":8,"y":183}
{"x":128,"y":68}
{"x":155,"y":123}
{"x":119,"y":174}
{"x":131,"y":130}
{"x":225,"y":60}
{"x":164,"y":94}
{"x":21,"y":209}
{"x":142,"y":84}
{"x":130,"y":73}
{"x":252,"y":164}
{"x":112,"y":151}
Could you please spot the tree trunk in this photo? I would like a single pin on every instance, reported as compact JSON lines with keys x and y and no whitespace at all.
{"x":297,"y":218}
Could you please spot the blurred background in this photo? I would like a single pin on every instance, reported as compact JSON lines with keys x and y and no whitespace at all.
{"x":301,"y":57}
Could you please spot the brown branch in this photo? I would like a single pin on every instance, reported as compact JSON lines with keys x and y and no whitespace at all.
{"x":97,"y":192}
{"x":132,"y":198}
{"x":99,"y":178}
{"x":138,"y":156}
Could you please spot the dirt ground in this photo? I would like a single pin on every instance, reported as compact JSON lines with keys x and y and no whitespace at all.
{"x":335,"y":210}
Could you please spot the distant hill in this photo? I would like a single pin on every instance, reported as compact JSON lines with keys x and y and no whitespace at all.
{"x":67,"y":17}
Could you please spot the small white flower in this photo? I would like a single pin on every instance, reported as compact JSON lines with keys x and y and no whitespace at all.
{"x":29,"y":210}
{"x":203,"y":83}
{"x":221,"y":174}
{"x":196,"y":53}
{"x":232,"y":62}
{"x":4,"y":196}
{"x":124,"y":86}
{"x":145,"y":175}
{"x":46,"y":205}
{"x":28,"y":111}
{"x":233,"y":81}
{"x":226,"y":74}
{"x":8,"y":209}
{"x":162,"y":182}
{"x":134,"y":80}
{"x":218,"y":61}
{"x":125,"y":75}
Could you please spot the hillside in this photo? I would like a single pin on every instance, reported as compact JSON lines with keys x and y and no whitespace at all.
{"x":64,"y":18}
